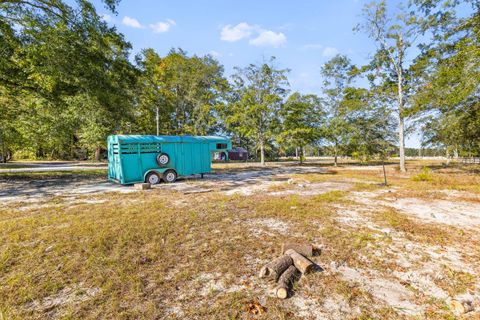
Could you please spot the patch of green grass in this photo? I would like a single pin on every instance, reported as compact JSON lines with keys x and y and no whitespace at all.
{"x":361,"y":186}
{"x":315,"y":177}
{"x":424,"y":175}
{"x":334,"y":196}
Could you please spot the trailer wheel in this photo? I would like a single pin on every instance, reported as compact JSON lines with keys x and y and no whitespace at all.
{"x":153,"y":178}
{"x":169,"y":176}
{"x":163,"y":159}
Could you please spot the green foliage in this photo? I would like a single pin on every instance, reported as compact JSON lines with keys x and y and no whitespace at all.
{"x":67,"y":75}
{"x":448,"y":74}
{"x":186,"y":91}
{"x":394,"y":33}
{"x":66,"y":83}
{"x":302,"y":118}
{"x":256,"y":99}
{"x":337,"y":74}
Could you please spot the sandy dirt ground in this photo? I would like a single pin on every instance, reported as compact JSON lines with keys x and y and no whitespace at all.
{"x":421,"y":267}
{"x":244,"y":182}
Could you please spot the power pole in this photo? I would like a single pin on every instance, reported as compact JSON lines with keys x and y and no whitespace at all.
{"x":158,"y":122}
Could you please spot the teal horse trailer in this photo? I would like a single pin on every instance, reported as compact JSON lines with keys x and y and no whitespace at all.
{"x":136,"y":158}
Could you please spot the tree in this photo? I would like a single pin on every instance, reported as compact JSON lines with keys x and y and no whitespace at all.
{"x":394,"y":36}
{"x":180,"y":92}
{"x":448,"y":76}
{"x":257,"y":97}
{"x":371,"y":122}
{"x":9,"y":136}
{"x":150,"y":95}
{"x":455,"y":130}
{"x":68,"y":70}
{"x":301,"y":117}
{"x":337,"y":75}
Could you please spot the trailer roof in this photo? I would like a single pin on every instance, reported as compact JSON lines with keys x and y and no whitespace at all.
{"x":165,"y":139}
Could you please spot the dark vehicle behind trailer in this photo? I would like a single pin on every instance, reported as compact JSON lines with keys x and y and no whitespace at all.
{"x":238,"y":153}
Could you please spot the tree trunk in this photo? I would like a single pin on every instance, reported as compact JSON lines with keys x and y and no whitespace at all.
{"x":262,"y":153}
{"x":4,"y":153}
{"x":98,"y":153}
{"x":401,"y":138}
{"x":335,"y":150}
{"x":401,"y":120}
{"x":384,"y":172}
{"x":301,"y":155}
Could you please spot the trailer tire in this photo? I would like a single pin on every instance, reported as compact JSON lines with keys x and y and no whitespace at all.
{"x":153,"y":178}
{"x":169,"y":176}
{"x":163,"y":159}
{"x":223,"y":156}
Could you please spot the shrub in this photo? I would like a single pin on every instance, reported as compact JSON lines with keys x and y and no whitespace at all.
{"x":424,"y":175}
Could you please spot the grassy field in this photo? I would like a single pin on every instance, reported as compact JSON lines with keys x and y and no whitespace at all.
{"x":167,"y":254}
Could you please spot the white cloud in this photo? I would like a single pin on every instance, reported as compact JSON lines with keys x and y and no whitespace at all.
{"x":257,"y":35}
{"x":238,"y":32}
{"x":131,"y":22}
{"x":215,"y":54}
{"x":106,"y":17}
{"x":160,"y":27}
{"x":287,"y":26}
{"x":329,"y":52}
{"x":269,"y":38}
{"x":157,"y":27}
{"x":312,"y":46}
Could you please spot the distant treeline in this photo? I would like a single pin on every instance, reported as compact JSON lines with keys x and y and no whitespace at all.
{"x":67,"y":81}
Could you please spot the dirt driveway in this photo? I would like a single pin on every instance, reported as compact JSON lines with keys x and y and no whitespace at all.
{"x":29,"y":189}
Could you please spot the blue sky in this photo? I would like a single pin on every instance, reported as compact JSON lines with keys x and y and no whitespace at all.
{"x":302,"y":34}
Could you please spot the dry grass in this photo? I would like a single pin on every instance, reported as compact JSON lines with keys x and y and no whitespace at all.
{"x":140,"y":256}
{"x":42,"y":175}
{"x":416,"y":230}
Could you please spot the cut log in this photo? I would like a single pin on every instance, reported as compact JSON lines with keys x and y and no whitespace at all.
{"x":460,"y":307}
{"x":304,"y":249}
{"x":276,"y":267}
{"x":198,"y":191}
{"x":300,"y":262}
{"x":286,"y":281}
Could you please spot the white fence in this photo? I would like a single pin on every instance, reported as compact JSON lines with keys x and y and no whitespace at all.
{"x":470,"y":160}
